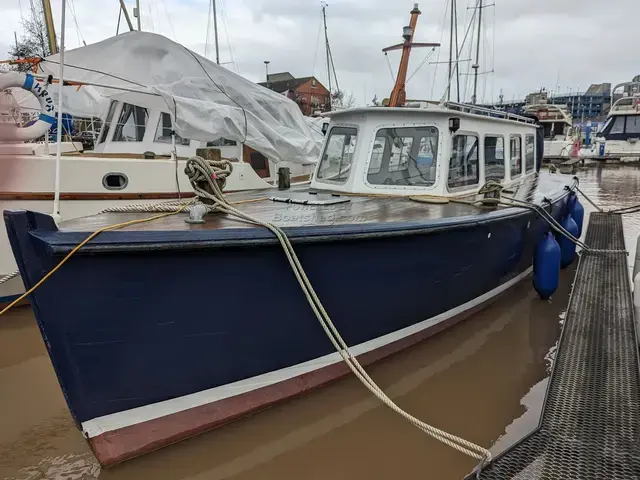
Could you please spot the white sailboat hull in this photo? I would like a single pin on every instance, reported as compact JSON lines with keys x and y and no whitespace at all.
{"x":26,"y":183}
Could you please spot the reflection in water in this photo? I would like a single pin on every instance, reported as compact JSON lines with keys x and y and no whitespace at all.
{"x":484,"y":380}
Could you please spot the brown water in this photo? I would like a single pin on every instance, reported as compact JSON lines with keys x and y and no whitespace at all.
{"x":484,"y":380}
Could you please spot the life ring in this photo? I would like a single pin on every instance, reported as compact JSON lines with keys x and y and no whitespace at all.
{"x":47,"y":109}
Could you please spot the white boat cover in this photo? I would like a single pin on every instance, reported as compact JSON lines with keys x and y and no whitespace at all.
{"x":206,"y":101}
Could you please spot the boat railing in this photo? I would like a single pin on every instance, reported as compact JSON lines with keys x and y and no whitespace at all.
{"x":488,"y":112}
{"x":627,"y":104}
{"x":633,"y":87}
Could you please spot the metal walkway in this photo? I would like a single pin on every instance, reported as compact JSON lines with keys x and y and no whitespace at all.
{"x":590,"y":425}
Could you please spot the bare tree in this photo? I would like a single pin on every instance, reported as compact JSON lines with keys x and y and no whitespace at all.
{"x":344,"y":99}
{"x":33,"y":42}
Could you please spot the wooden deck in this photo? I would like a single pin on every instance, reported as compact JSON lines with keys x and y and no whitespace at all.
{"x":355,"y":210}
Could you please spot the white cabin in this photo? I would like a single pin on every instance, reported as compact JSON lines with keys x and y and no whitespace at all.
{"x":130,"y":128}
{"x":446,"y":150}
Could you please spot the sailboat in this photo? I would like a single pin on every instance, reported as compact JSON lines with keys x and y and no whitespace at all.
{"x":138,"y":155}
{"x":402,"y":232}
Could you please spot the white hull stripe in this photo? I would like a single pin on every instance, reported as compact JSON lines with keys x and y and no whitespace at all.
{"x":107,"y":423}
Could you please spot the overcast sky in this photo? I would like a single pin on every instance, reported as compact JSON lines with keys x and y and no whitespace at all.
{"x":558,"y":44}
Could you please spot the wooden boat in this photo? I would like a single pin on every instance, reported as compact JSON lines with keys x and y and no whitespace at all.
{"x":163,"y":330}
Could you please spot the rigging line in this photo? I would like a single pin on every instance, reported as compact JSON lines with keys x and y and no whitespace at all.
{"x":150,"y":16}
{"x":206,"y":42}
{"x":119,"y":17}
{"x":435,"y":70}
{"x":493,"y":55}
{"x":472,"y":30}
{"x":421,"y":64}
{"x":333,"y":67}
{"x":455,"y":14}
{"x":169,"y":19}
{"x":226,"y":32}
{"x":246,"y":121}
{"x":464,"y":40}
{"x":96,"y":71}
{"x":393,"y":78}
{"x":315,"y":55}
{"x":485,"y":45}
{"x":72,"y":8}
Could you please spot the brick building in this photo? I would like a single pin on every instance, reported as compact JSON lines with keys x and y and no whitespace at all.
{"x":307,"y":92}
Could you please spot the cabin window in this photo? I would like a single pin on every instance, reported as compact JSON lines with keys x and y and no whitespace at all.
{"x":337,"y":158}
{"x":107,"y":122}
{"x":404,"y":156}
{"x":463,"y":163}
{"x":515,"y":150}
{"x":222,"y":142}
{"x":618,"y":125}
{"x":529,"y":153}
{"x":163,"y":132}
{"x":633,"y":124}
{"x":494,"y":157}
{"x":131,"y":124}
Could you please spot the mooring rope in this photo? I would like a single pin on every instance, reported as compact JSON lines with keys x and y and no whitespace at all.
{"x":618,"y":211}
{"x":198,"y":169}
{"x":6,"y":278}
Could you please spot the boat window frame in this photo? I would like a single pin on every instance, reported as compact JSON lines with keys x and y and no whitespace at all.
{"x":504,"y":159}
{"x":119,"y":131}
{"x":636,"y":124}
{"x":471,"y":186}
{"x":160,"y":126}
{"x":528,"y":170}
{"x":106,"y":126}
{"x":372,"y":135}
{"x":369,"y":152}
{"x":325,"y":146}
{"x":511,"y":174}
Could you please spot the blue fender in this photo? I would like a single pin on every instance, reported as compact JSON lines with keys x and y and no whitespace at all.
{"x":567,"y":247}
{"x":546,"y":266}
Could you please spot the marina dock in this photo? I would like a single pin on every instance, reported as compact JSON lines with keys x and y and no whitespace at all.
{"x":590,"y":422}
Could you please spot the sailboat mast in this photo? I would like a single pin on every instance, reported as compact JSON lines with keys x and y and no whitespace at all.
{"x":215,"y":30}
{"x":326,"y":43}
{"x":455,"y":14}
{"x":123,"y":8}
{"x":138,"y":15}
{"x":51,"y":30}
{"x":450,"y":49}
{"x":477,"y":64}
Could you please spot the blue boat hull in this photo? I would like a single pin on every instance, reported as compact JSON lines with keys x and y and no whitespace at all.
{"x":155,"y":337}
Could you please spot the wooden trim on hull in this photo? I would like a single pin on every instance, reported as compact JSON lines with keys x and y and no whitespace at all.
{"x":117,"y":446}
{"x":95,"y":196}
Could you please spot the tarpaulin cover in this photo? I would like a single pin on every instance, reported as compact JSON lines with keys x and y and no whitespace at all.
{"x":206,"y":101}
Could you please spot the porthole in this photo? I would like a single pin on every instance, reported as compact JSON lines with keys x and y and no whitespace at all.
{"x":115,"y":181}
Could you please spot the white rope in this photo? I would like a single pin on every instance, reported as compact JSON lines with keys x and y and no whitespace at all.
{"x":197,"y":168}
{"x":6,"y":278}
{"x":164,"y":207}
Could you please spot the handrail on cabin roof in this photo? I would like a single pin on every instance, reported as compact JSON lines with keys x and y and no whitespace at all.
{"x":474,"y":109}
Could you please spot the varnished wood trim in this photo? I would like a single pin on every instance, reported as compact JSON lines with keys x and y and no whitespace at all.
{"x":95,"y":196}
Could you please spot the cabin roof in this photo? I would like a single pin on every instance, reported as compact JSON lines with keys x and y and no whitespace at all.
{"x":449,"y":109}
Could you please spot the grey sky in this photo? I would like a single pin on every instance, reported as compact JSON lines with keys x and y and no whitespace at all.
{"x":571,"y":43}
